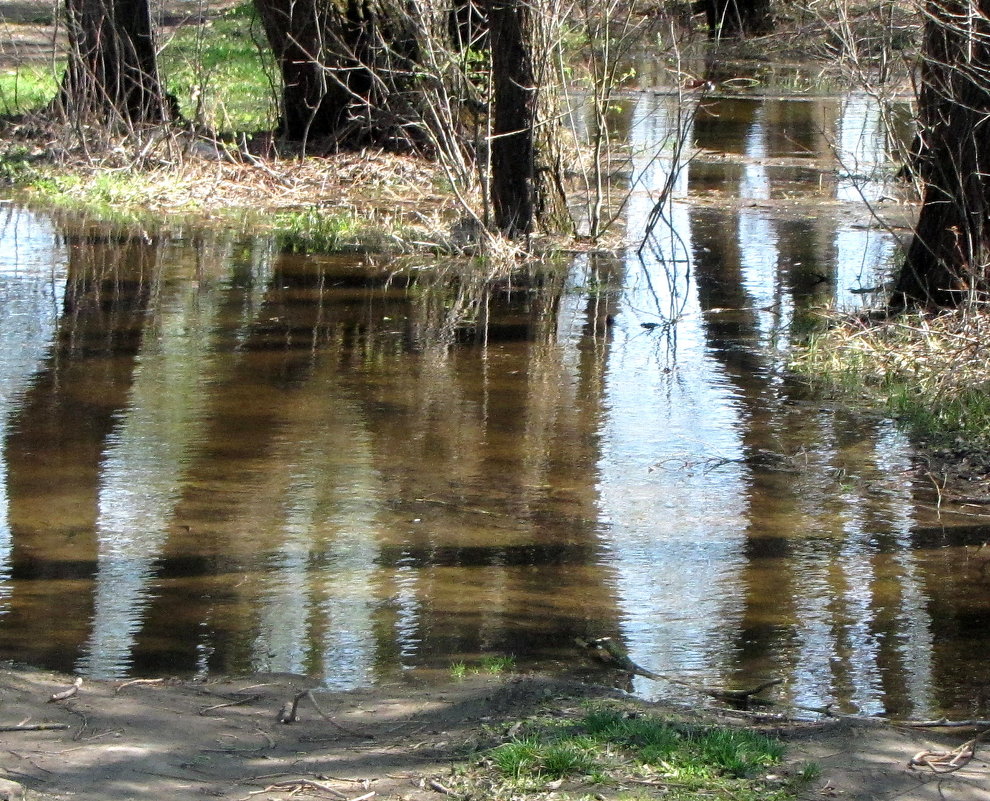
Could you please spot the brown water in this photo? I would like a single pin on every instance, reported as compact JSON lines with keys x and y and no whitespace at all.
{"x":217,"y":458}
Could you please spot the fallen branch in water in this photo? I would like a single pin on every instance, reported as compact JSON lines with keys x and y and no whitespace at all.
{"x":605,"y":650}
{"x":945,"y":723}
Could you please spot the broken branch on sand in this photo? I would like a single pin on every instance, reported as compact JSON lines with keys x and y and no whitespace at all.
{"x":236,"y":702}
{"x":947,"y":761}
{"x":293,"y":786}
{"x":36,"y":727}
{"x":133,"y":682}
{"x":66,"y":694}
{"x":287,"y":714}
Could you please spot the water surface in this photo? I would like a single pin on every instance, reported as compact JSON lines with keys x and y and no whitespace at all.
{"x":220,"y":458}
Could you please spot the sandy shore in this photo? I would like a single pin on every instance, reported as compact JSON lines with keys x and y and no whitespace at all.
{"x":221,"y":739}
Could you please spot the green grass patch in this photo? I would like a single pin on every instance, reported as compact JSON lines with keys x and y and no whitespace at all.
{"x":221,"y":73}
{"x":609,"y":745}
{"x":27,"y":88}
{"x":314,"y":230}
{"x":115,"y":196}
{"x":497,"y":665}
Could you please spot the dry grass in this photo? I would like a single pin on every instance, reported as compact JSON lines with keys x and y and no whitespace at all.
{"x":932,"y":371}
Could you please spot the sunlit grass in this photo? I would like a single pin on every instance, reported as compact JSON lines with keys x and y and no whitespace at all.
{"x":221,"y":73}
{"x":27,"y":88}
{"x":610,"y":746}
{"x":498,"y":664}
{"x":313,"y":230}
{"x":927,"y":370}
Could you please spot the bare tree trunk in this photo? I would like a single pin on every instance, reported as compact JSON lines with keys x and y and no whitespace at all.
{"x":112,"y":71}
{"x":348,"y":70}
{"x":527,"y":167}
{"x":950,"y":254}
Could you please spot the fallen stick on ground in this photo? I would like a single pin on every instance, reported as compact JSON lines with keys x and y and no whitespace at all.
{"x":132,"y":682}
{"x":236,"y":702}
{"x":66,"y":694}
{"x":35,"y":727}
{"x":329,"y":719}
{"x":947,"y":761}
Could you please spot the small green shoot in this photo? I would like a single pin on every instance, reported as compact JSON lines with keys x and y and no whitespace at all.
{"x":458,"y":670}
{"x":496,"y":665}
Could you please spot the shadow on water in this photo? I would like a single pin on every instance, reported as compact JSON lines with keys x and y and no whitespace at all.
{"x":219,"y":458}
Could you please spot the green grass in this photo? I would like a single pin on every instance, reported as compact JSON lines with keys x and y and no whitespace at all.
{"x":221,"y":77}
{"x":493,"y":665}
{"x":28,"y":87}
{"x":610,"y":746}
{"x":498,"y":664}
{"x":217,"y":71}
{"x":313,"y":230}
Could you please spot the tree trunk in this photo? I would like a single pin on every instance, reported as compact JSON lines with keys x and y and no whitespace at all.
{"x":112,"y":71}
{"x":950,"y":254}
{"x":348,"y":71}
{"x":526,"y":162}
{"x":736,"y":19}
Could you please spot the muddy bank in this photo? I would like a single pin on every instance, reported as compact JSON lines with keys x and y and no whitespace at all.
{"x":222,"y":739}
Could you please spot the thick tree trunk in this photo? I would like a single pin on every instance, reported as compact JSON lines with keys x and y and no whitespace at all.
{"x":949,"y":257}
{"x":527,"y":167}
{"x":348,"y":70}
{"x":738,"y":18}
{"x":112,"y":71}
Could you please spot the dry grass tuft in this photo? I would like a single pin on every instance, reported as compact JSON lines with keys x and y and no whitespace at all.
{"x":932,"y":370}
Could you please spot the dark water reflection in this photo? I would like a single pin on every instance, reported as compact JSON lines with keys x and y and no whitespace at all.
{"x":218,"y":458}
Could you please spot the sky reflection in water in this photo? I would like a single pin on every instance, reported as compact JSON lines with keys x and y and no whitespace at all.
{"x":219,"y":458}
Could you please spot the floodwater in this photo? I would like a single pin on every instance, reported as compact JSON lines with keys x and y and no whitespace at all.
{"x":218,"y":458}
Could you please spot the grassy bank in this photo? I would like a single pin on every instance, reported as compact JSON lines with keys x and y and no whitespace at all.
{"x":928,"y":371}
{"x":616,"y":751}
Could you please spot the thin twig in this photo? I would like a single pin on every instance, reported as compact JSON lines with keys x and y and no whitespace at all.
{"x":238,"y":702}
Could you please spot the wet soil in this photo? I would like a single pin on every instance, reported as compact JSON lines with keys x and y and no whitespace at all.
{"x":221,"y":739}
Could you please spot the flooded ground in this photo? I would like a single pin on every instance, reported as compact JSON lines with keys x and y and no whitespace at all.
{"x":217,"y":458}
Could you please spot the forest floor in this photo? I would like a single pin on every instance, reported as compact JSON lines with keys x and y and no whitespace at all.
{"x":221,"y":739}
